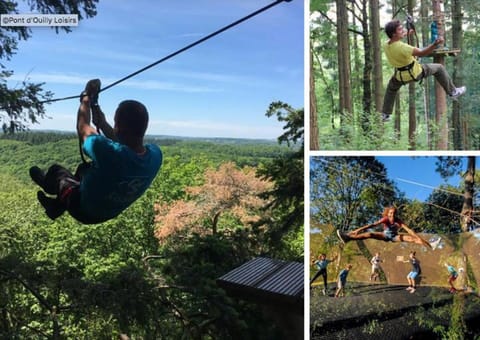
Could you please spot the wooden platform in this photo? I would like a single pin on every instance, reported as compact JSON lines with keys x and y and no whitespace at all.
{"x":445,"y":52}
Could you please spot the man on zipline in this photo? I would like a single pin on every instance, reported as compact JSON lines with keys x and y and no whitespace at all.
{"x":391,"y":225}
{"x":407,"y":69}
{"x":122,"y":167}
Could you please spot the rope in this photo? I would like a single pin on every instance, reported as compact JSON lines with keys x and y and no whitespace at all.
{"x":211,"y":35}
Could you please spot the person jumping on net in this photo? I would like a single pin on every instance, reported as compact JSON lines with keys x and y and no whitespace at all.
{"x":391,"y":226}
{"x":121,"y":170}
{"x":407,"y":69}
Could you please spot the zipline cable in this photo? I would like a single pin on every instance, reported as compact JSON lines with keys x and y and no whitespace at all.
{"x":211,"y":35}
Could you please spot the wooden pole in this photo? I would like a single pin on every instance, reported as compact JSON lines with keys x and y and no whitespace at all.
{"x":440,"y":95}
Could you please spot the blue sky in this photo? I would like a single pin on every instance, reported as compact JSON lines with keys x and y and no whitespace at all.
{"x":221,"y":88}
{"x":419,"y":170}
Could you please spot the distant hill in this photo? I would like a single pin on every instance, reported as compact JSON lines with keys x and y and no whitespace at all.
{"x":20,"y":151}
{"x":42,"y":136}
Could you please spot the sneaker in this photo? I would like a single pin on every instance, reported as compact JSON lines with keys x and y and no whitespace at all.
{"x":324,"y":292}
{"x":458,"y":92}
{"x":52,"y":207}
{"x":409,"y":288}
{"x":385,"y":117}
{"x":435,"y":244}
{"x":412,"y":290}
{"x":37,"y":176}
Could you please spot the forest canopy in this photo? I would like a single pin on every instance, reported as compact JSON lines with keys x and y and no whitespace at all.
{"x":349,"y":74}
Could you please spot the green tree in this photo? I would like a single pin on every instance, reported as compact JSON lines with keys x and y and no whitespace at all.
{"x":348,"y":192}
{"x":442,"y":210}
{"x":284,"y":215}
{"x":448,"y":166}
{"x":23,"y":105}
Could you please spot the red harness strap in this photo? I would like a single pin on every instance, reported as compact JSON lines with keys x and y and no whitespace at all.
{"x":65,"y":193}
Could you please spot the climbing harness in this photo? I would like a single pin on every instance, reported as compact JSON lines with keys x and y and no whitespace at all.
{"x":410,"y":25}
{"x":408,"y":68}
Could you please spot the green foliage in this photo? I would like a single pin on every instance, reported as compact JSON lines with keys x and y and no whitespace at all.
{"x":445,"y":220}
{"x":62,"y":279}
{"x":346,"y":132}
{"x":287,"y":173}
{"x":349,"y":192}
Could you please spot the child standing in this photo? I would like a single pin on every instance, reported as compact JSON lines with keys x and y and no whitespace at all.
{"x":321,"y":263}
{"x":411,"y":277}
{"x":452,"y":276}
{"x":342,"y":280}
{"x":375,"y":261}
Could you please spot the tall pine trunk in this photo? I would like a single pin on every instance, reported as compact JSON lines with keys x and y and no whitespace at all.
{"x":343,"y":53}
{"x":314,"y":143}
{"x":376,"y":54}
{"x":440,"y":95}
{"x":457,"y":42}
{"x":367,"y":70}
{"x":412,"y":113}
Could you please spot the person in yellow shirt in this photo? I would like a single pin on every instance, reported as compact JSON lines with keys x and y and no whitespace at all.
{"x":407,"y":69}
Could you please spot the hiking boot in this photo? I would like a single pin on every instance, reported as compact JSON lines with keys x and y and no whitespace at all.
{"x":52,"y":207}
{"x":458,"y":92}
{"x":385,"y":117}
{"x":37,"y":175}
{"x":344,"y":238}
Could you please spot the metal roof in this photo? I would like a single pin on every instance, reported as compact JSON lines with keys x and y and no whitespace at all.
{"x":268,"y":281}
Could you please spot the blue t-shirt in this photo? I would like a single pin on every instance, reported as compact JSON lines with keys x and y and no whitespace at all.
{"x":322,"y":264}
{"x":343,"y":275}
{"x":452,"y":271}
{"x":118,"y":176}
{"x":415,"y":265}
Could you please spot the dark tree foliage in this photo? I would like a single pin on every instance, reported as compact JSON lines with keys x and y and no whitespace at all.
{"x":445,"y":220}
{"x":287,"y":173}
{"x":347,"y":192}
{"x":24,"y":104}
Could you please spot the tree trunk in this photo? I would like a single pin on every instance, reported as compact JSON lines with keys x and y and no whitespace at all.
{"x":467,"y":207}
{"x":412,"y":113}
{"x":367,"y":70}
{"x":424,"y":10}
{"x":377,"y":56}
{"x":440,"y":95}
{"x":343,"y":53}
{"x":457,"y":42}
{"x":314,"y":143}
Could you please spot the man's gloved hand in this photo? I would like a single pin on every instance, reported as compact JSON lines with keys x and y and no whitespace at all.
{"x":91,"y":90}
